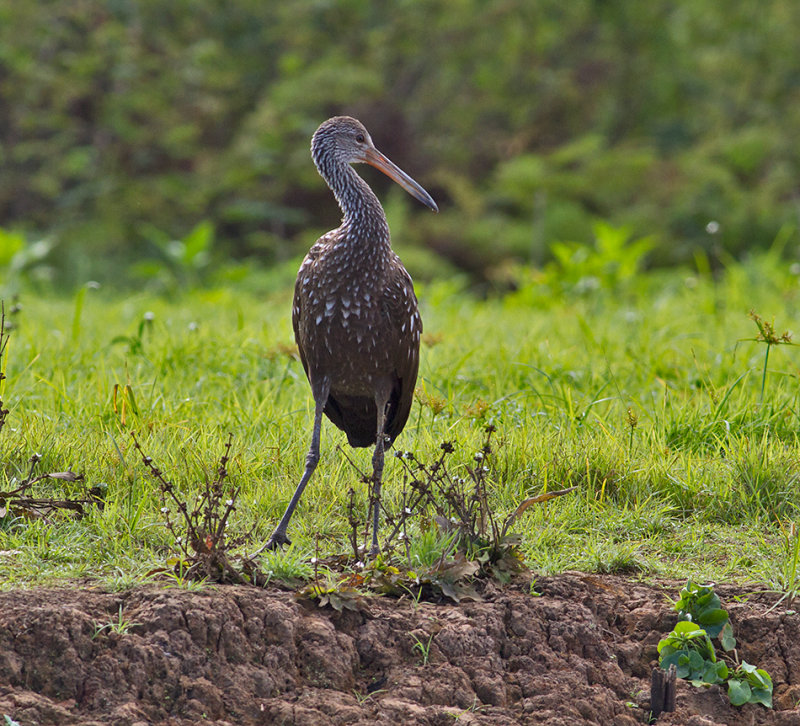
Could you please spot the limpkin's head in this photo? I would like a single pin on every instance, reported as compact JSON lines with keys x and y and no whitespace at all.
{"x":343,"y":140}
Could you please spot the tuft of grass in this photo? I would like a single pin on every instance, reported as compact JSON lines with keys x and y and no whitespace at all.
{"x":119,"y":625}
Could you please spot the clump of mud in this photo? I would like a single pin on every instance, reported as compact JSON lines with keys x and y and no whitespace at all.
{"x":579,"y":653}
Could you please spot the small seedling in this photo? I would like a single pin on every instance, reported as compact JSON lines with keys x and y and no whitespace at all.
{"x":176,"y":577}
{"x":424,"y":648}
{"x":120,"y":626}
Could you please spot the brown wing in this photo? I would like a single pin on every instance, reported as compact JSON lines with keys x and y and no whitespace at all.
{"x":298,"y":303}
{"x":356,"y":415}
{"x":400,"y":308}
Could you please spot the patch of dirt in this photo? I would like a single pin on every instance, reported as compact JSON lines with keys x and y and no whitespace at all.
{"x":581,"y":653}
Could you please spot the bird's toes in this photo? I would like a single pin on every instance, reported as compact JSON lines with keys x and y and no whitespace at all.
{"x":277,"y":540}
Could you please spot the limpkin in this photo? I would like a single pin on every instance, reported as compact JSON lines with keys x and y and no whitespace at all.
{"x":355,"y":315}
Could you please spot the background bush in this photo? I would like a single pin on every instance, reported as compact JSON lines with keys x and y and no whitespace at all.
{"x":125,"y":125}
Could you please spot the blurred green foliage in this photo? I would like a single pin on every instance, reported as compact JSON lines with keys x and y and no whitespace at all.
{"x":125,"y":124}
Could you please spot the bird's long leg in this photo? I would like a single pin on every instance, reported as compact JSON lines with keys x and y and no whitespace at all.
{"x":279,"y":536}
{"x":381,"y":400}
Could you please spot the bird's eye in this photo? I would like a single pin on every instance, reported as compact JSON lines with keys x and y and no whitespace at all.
{"x":360,"y":138}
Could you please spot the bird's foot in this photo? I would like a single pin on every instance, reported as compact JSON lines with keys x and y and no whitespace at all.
{"x":276,"y":540}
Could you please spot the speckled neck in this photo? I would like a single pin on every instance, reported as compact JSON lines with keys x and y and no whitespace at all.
{"x":364,"y":218}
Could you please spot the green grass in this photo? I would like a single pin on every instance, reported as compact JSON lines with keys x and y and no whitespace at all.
{"x":645,"y":393}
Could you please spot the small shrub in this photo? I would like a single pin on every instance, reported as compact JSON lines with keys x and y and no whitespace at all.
{"x":203,"y":544}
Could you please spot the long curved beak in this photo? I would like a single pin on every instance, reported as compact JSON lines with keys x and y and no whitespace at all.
{"x":373,"y":157}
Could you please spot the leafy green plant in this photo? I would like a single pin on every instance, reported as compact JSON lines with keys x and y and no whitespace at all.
{"x":187,"y":259}
{"x":701,"y":605}
{"x":748,"y":684}
{"x":20,"y":259}
{"x":614,"y":258}
{"x":450,"y":577}
{"x":339,"y":594}
{"x":690,"y":649}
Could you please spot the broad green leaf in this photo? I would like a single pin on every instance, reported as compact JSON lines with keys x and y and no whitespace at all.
{"x":726,"y":638}
{"x":738,"y":691}
{"x":762,"y":696}
{"x":713,"y":616}
{"x":696,"y":661}
{"x":687,"y":627}
{"x":714,"y":672}
{"x":682,"y":665}
{"x":671,"y":659}
{"x":666,"y":647}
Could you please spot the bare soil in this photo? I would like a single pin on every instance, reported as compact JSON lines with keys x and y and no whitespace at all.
{"x":580,"y":653}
